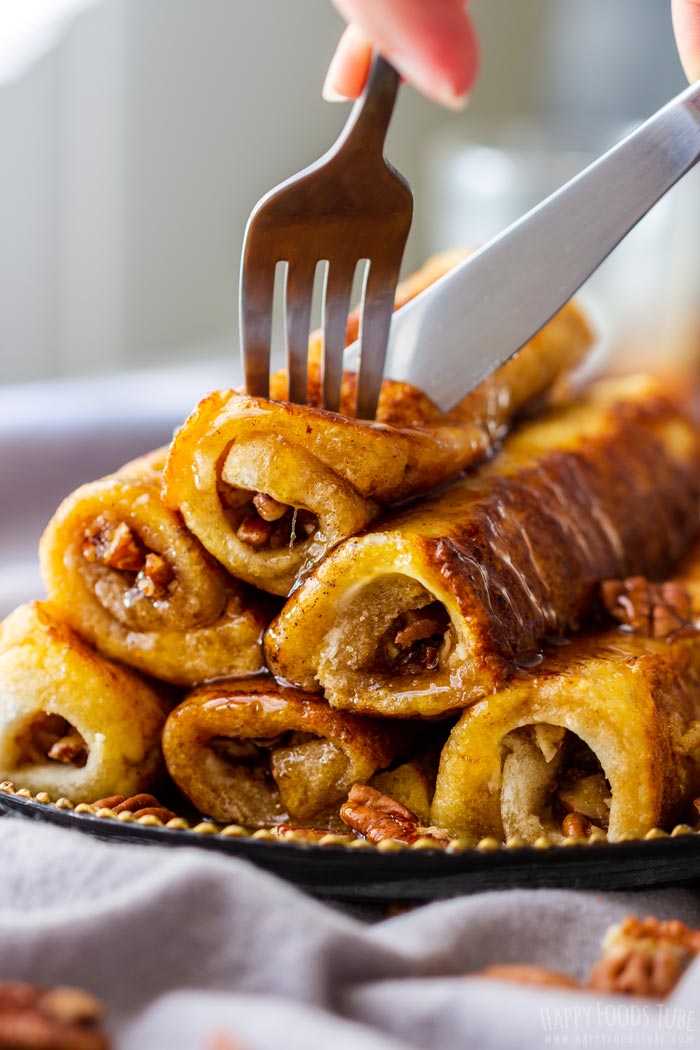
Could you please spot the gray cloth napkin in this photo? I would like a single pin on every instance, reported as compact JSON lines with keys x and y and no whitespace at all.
{"x":197,"y":952}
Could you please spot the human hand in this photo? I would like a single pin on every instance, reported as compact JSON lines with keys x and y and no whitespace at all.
{"x":433,"y":45}
{"x":686,"y":22}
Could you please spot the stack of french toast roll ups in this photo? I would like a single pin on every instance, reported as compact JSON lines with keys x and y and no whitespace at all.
{"x":479,"y":623}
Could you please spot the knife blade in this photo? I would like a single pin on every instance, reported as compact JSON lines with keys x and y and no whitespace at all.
{"x":472,"y":320}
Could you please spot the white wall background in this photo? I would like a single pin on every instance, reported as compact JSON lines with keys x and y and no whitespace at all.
{"x":133,"y":150}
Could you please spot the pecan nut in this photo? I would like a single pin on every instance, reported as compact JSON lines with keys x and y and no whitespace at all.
{"x":525,"y":973}
{"x":268,"y":508}
{"x":644,"y":957}
{"x":115,"y":546}
{"x":142,"y":805}
{"x":379,"y":817}
{"x":310,"y":833}
{"x":652,"y":610}
{"x":577,"y":826}
{"x":70,"y":749}
{"x":155,"y":577}
{"x":32,"y":1018}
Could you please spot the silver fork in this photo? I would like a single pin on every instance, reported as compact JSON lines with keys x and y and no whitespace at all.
{"x":350,"y":205}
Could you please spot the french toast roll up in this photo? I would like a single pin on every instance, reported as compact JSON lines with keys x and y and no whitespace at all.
{"x":433,"y":609}
{"x":270,"y":487}
{"x":604,"y":733}
{"x":128,"y":575}
{"x":71,"y":722}
{"x":258,"y":753}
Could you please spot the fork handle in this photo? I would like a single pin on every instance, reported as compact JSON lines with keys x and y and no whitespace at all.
{"x":369,"y":118}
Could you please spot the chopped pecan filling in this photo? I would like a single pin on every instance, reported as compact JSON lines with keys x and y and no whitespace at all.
{"x":117,"y":547}
{"x":576,"y":826}
{"x":644,"y":957}
{"x":262,"y":522}
{"x":49,"y":736}
{"x":269,"y":525}
{"x":412,"y":643}
{"x":69,"y":749}
{"x":268,"y":508}
{"x":585,"y":795}
{"x":155,"y":577}
{"x":379,"y":817}
{"x":580,"y":793}
{"x":653,"y":610}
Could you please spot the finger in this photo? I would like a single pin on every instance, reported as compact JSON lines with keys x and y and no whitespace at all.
{"x":433,"y":45}
{"x":686,"y":23}
{"x":349,"y":66}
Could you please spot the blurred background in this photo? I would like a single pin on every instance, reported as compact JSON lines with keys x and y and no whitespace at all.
{"x":137,"y":134}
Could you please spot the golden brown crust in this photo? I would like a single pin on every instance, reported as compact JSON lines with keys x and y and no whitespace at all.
{"x":340,"y":469}
{"x":606,"y":486}
{"x":261,"y":754}
{"x":130,"y":578}
{"x":633,"y":701}
{"x":53,"y":683}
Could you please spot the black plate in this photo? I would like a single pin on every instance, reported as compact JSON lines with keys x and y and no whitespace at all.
{"x":412,"y":874}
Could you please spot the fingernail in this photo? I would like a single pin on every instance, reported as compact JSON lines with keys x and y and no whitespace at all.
{"x":426,"y":82}
{"x":454,"y":102}
{"x":329,"y":94}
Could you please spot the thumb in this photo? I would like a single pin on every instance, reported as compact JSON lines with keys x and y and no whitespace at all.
{"x":686,"y":23}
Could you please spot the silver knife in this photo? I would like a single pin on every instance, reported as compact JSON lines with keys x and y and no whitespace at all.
{"x":472,"y":320}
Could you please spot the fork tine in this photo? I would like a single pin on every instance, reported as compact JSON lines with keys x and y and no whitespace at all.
{"x":256,"y":298}
{"x":336,"y":305}
{"x":377,"y":307}
{"x":298,"y":292}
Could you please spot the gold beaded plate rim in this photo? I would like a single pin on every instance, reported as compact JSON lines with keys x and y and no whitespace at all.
{"x":341,"y":868}
{"x":299,"y":837}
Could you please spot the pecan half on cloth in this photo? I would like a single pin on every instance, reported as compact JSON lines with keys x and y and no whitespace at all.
{"x":379,"y":817}
{"x":34,"y":1018}
{"x":644,"y":957}
{"x":527,"y":973}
